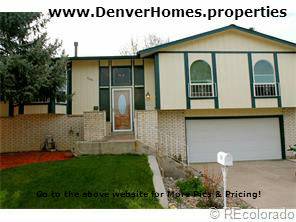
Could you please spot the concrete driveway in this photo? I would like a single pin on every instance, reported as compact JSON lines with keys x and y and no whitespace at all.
{"x":274,"y":178}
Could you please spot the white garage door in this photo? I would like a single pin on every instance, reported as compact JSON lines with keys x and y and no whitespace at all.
{"x":245,"y":139}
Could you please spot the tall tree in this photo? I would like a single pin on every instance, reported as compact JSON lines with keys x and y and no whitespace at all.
{"x":28,"y":68}
{"x":149,"y":41}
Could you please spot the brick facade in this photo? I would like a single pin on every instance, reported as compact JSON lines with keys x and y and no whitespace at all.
{"x":146,"y":127}
{"x":164,"y":130}
{"x":290,"y":126}
{"x":170,"y":128}
{"x":94,"y":125}
{"x":27,"y":132}
{"x":172,"y":138}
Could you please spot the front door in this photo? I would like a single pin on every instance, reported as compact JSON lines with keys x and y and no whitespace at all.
{"x":122,"y":109}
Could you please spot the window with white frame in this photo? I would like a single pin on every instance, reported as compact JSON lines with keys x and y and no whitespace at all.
{"x":264,"y":79}
{"x":201,"y":80}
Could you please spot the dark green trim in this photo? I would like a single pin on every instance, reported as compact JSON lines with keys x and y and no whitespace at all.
{"x":21,"y":108}
{"x":232,"y":117}
{"x":282,"y":131}
{"x":101,"y":57}
{"x":136,"y":86}
{"x":214,"y":70}
{"x":61,"y":104}
{"x":281,"y":125}
{"x":277,"y":77}
{"x":137,"y":57}
{"x":51,"y":106}
{"x":187,"y":79}
{"x":230,"y":52}
{"x":250,"y":63}
{"x":249,"y":31}
{"x":69,"y":88}
{"x":144,"y":75}
{"x":198,"y":98}
{"x":266,"y":97}
{"x":10,"y":109}
{"x":157,"y":83}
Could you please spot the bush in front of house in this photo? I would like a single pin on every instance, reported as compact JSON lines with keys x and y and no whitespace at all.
{"x":212,"y":185}
{"x":191,"y":187}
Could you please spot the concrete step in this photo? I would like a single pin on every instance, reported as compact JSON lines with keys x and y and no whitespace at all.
{"x":105,"y":147}
{"x":122,"y":136}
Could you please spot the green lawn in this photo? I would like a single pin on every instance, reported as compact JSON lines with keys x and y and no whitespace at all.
{"x":97,"y":175}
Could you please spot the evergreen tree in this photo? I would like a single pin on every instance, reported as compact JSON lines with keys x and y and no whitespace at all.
{"x":32,"y":68}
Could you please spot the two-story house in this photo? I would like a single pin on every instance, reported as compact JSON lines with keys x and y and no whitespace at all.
{"x":230,"y":89}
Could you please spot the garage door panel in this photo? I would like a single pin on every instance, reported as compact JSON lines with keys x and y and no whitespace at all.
{"x":245,"y":139}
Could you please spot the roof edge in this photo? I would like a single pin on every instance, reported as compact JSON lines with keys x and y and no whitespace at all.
{"x":214,"y":31}
{"x":103,"y":57}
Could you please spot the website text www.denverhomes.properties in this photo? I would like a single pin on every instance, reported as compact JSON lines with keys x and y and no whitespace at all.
{"x":158,"y":12}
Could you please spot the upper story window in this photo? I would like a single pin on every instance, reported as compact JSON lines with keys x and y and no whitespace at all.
{"x":201,"y":80}
{"x":104,"y":76}
{"x":62,"y":95}
{"x":104,"y":90}
{"x":121,"y":76}
{"x":139,"y":90}
{"x":264,"y":79}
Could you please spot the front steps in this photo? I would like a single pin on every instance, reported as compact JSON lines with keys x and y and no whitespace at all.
{"x":118,"y":143}
{"x":105,"y":147}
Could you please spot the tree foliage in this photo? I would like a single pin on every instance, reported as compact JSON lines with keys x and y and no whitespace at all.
{"x":135,"y":45}
{"x":32,"y":68}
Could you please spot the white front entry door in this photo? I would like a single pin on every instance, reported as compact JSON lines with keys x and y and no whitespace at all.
{"x":122,"y":109}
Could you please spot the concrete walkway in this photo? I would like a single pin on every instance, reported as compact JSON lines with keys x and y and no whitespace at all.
{"x":274,"y":178}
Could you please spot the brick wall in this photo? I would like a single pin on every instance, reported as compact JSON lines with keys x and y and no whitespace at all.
{"x":108,"y":128}
{"x":94,"y":125}
{"x":163,"y":130}
{"x":170,"y":128}
{"x":27,"y":132}
{"x":146,"y":127}
{"x":290,"y":126}
{"x":172,"y":138}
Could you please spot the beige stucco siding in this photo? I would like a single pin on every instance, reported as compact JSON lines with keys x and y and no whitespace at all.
{"x":262,"y":56}
{"x":265,"y":103}
{"x":202,"y":104}
{"x":122,"y":62}
{"x":287,"y":74}
{"x":60,"y":109}
{"x":233,"y":81}
{"x":172,"y":81}
{"x":103,"y":63}
{"x":3,"y":109}
{"x":192,"y":57}
{"x":35,"y":109}
{"x":149,"y":83}
{"x":231,"y":40}
{"x":139,"y":62}
{"x":84,"y":86}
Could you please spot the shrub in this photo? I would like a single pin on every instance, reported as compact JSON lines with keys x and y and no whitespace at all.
{"x":211,"y":184}
{"x":191,"y":186}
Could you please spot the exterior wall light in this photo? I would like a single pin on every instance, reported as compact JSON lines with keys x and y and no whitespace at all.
{"x":148,"y":96}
